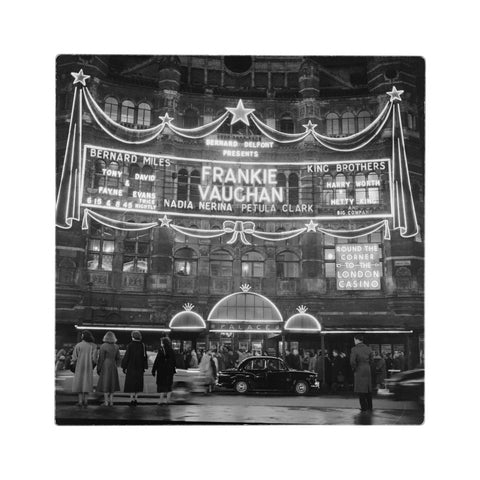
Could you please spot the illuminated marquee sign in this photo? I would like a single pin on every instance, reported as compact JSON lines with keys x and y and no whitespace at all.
{"x":358,"y":266}
{"x":230,"y":189}
{"x":238,"y":327}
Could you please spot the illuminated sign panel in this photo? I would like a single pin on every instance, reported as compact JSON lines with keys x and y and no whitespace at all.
{"x":358,"y":266}
{"x":244,"y":187}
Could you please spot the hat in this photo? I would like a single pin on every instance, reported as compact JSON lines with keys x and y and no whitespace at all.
{"x":110,"y":337}
{"x":136,"y":335}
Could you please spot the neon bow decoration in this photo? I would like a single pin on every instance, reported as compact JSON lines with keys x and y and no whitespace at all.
{"x":70,"y":191}
{"x":239,"y":229}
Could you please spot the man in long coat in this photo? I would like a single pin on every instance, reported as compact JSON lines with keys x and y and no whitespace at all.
{"x":361,"y":361}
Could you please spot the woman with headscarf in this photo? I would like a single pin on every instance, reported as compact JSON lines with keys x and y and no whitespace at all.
{"x":134,"y":364}
{"x":84,"y":358}
{"x":108,"y":358}
{"x":164,"y":368}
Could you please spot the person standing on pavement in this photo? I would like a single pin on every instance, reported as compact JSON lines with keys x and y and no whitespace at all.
{"x":193,"y":359}
{"x":134,"y":364}
{"x":208,"y":368}
{"x":164,"y":367}
{"x":108,"y":358}
{"x":361,"y":360}
{"x":388,"y":364}
{"x":380,"y":371}
{"x":312,"y":361}
{"x":84,"y":358}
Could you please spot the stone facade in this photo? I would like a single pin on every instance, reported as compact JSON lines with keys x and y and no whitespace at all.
{"x":286,"y":93}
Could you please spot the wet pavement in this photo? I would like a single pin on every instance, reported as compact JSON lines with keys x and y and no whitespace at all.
{"x":233,"y":409}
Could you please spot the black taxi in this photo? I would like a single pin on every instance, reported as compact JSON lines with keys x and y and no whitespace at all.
{"x":263,"y":373}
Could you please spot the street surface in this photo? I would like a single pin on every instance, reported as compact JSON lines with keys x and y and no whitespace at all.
{"x":227,"y":408}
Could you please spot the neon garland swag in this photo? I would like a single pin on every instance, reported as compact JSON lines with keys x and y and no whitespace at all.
{"x":71,"y":184}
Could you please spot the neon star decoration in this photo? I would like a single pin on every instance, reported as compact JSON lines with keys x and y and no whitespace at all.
{"x":165,"y":221}
{"x":80,"y":77}
{"x":166,"y":119}
{"x":302,"y":309}
{"x":311,"y":226}
{"x":188,"y":307}
{"x":309,"y":126}
{"x":395,"y":95}
{"x":240,"y":113}
{"x":245,"y":287}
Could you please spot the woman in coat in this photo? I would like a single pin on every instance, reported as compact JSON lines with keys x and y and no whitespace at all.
{"x":134,"y":364}
{"x":108,"y":358}
{"x":361,"y":360}
{"x":193,"y":360}
{"x":84,"y":357}
{"x":208,"y":367}
{"x":164,"y":367}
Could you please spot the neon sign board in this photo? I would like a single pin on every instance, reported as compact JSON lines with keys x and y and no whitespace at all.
{"x":358,"y":266}
{"x":120,"y":180}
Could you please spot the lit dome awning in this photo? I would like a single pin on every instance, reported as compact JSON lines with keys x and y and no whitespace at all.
{"x":187,"y":320}
{"x":303,"y":322}
{"x":247,"y":307}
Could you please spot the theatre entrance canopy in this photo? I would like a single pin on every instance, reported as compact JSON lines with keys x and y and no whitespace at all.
{"x":245,"y":312}
{"x":302,"y":322}
{"x":187,"y":321}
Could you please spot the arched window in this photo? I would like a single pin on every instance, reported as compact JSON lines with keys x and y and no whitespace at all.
{"x":134,"y":172}
{"x":144,"y":114}
{"x":360,"y":188}
{"x":333,"y":124}
{"x":348,"y":123}
{"x":190,"y":118}
{"x":293,"y":189}
{"x":100,"y":179}
{"x":373,"y":188}
{"x":182,"y":187}
{"x":185,"y":262}
{"x":282,"y":183}
{"x":111,"y":108}
{"x":281,"y":180}
{"x":136,"y":256}
{"x":221,"y":264}
{"x":128,"y":112}
{"x":288,"y":265}
{"x":340,"y":191}
{"x":327,"y":190}
{"x":100,"y":248}
{"x":112,"y":179}
{"x":363,"y":119}
{"x":194,"y":191}
{"x":286,"y":123}
{"x":252,"y":264}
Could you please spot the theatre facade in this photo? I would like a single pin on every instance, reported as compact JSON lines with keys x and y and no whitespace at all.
{"x":264,"y":203}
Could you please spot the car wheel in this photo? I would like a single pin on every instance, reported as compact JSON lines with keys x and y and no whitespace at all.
{"x":241,"y":386}
{"x":301,"y":388}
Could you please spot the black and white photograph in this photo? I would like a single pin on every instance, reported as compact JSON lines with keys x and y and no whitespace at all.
{"x":239,"y":240}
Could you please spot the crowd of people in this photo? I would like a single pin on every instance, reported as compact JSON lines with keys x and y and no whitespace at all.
{"x":334,"y":369}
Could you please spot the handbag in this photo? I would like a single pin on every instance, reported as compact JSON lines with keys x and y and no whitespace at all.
{"x":72,"y":366}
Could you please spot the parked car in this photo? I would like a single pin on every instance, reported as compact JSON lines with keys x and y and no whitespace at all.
{"x":264,"y":373}
{"x":407,"y":385}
